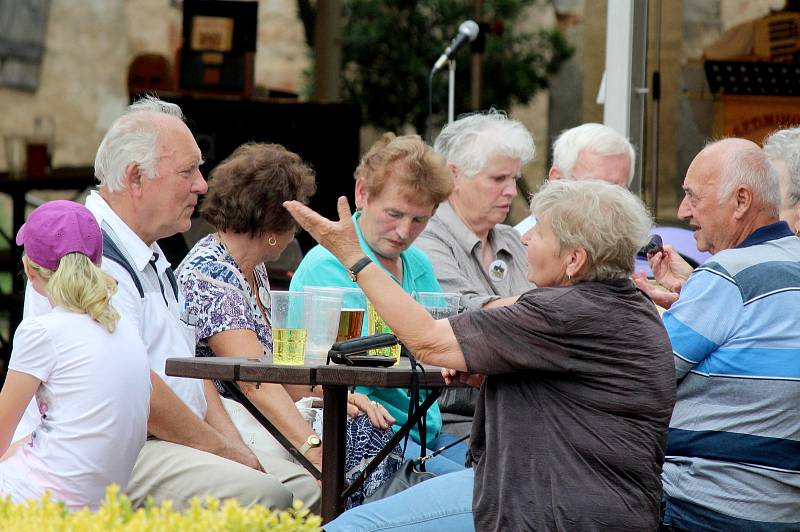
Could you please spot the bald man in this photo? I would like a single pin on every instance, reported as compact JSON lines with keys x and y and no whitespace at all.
{"x":733,"y":450}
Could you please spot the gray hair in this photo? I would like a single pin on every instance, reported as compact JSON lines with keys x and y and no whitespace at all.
{"x":609,"y":222}
{"x":132,"y":139}
{"x":791,"y":193}
{"x":784,"y":145}
{"x":750,"y":166}
{"x":598,"y":138}
{"x":473,"y":139}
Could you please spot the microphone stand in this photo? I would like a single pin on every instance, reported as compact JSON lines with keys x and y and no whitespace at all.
{"x":451,"y":97}
{"x":451,"y":90}
{"x":429,"y":121}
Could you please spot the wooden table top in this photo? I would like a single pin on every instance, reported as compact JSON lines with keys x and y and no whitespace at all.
{"x":263,"y":370}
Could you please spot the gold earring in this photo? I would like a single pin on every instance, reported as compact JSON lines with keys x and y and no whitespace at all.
{"x":272,"y":241}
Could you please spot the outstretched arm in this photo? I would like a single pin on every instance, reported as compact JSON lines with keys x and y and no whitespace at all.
{"x":432,"y":341}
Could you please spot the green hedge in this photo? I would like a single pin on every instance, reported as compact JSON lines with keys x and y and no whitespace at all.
{"x":116,"y":514}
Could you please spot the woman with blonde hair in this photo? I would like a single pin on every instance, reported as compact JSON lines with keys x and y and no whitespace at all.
{"x":85,"y":365}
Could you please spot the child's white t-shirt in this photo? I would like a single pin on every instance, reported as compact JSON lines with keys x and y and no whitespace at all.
{"x":94,"y":399}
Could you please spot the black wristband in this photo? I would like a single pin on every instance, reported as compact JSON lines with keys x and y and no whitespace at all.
{"x":358,"y":266}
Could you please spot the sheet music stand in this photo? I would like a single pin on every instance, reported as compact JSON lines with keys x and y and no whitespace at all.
{"x":753,"y":78}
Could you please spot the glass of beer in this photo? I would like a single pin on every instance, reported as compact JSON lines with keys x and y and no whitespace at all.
{"x":351,"y":317}
{"x":289,"y":326}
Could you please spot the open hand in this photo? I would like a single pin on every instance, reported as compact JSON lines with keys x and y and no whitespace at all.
{"x":660,"y":297}
{"x":339,"y":238}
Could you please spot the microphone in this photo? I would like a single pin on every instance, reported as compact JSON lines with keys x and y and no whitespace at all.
{"x":467,"y":31}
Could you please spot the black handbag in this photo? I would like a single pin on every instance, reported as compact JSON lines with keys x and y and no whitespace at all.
{"x":411,"y":472}
{"x":408,"y":475}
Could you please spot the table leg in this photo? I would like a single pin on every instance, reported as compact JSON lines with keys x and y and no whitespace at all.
{"x":333,"y":428}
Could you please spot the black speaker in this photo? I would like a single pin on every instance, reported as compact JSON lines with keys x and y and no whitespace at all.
{"x":325,"y":135}
{"x":219,"y":44}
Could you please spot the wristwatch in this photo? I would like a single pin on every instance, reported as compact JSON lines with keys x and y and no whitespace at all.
{"x":312,"y":442}
{"x":362,"y":263}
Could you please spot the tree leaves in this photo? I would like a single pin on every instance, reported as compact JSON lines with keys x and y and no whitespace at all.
{"x":389,"y":47}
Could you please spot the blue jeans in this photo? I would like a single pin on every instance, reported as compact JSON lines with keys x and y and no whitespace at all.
{"x":449,"y":461}
{"x":441,"y":504}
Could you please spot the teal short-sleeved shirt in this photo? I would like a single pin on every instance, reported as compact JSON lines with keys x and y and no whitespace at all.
{"x":320,"y":268}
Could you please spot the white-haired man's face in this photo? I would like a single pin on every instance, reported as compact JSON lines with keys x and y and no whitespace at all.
{"x":614,"y":169}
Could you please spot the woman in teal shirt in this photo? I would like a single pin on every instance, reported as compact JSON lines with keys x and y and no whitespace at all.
{"x":399,"y":184}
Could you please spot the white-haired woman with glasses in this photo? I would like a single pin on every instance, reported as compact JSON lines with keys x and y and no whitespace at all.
{"x":576,"y":378}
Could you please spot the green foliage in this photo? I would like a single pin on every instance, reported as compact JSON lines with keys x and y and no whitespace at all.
{"x":116,"y":514}
{"x":389,"y":47}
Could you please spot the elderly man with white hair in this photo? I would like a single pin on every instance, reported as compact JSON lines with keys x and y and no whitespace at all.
{"x":148,"y":167}
{"x":782,"y":148}
{"x":590,"y":151}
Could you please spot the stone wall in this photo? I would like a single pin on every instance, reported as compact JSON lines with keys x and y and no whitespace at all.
{"x":89,"y":46}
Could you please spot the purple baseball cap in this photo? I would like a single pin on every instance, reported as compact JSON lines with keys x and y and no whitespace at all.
{"x":57,"y":228}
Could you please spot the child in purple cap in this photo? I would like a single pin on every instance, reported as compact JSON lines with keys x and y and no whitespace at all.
{"x":86,"y":366}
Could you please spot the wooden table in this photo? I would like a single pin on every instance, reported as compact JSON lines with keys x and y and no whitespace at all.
{"x":335,"y":381}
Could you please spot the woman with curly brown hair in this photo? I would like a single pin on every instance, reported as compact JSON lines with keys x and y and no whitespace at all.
{"x":226,"y":286}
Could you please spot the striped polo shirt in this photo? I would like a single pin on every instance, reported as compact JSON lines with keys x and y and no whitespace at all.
{"x":734,"y":438}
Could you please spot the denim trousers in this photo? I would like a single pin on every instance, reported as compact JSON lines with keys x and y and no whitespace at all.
{"x":441,"y":504}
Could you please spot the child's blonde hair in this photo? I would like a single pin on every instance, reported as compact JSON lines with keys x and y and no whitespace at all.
{"x":80,"y":286}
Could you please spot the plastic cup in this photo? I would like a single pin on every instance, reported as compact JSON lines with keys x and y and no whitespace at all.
{"x":324,"y":321}
{"x":289,"y":326}
{"x":376,"y":325}
{"x":439,"y":304}
{"x":353,"y":309}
